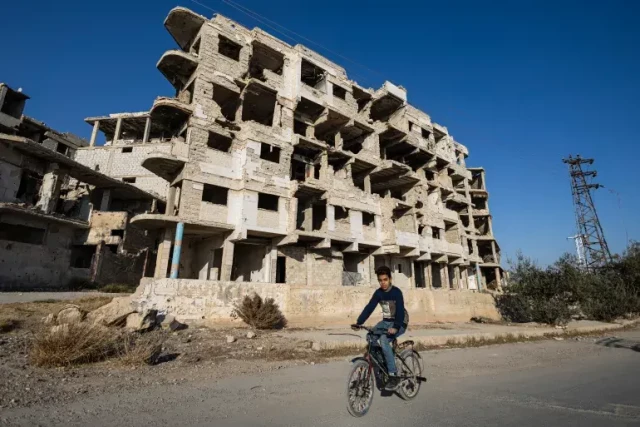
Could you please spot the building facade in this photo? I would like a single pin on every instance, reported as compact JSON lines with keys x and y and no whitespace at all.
{"x":276,"y":168}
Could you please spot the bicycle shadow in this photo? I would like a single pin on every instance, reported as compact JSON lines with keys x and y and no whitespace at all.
{"x":615,"y":342}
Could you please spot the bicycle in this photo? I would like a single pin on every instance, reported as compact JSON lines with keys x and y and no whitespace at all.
{"x":370,"y":370}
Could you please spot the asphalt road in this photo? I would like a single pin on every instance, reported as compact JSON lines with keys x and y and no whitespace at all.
{"x":551,"y":383}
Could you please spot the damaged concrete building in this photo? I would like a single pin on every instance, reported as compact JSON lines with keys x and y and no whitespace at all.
{"x":277,"y":168}
{"x":60,"y":221}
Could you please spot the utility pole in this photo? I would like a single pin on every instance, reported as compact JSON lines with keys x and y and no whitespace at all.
{"x":590,"y":239}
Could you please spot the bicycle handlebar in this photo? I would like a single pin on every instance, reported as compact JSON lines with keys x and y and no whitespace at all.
{"x":362,"y":327}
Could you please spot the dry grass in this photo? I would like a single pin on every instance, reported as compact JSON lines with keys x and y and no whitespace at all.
{"x":81,"y":343}
{"x":118,"y":288}
{"x":28,"y":315}
{"x":8,"y":325}
{"x":142,"y":349}
{"x":74,"y":344}
{"x":259,"y":313}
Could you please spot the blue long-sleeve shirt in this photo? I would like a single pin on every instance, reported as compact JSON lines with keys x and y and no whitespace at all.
{"x":392,"y":303}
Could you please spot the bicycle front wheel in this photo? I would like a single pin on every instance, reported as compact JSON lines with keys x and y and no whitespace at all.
{"x":360,"y":387}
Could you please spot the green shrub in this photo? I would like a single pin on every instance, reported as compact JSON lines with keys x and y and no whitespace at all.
{"x":556,"y":294}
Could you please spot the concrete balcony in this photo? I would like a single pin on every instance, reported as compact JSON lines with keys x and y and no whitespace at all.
{"x":183,"y":25}
{"x":457,"y":197}
{"x":407,"y":239}
{"x":450,"y":215}
{"x":459,"y":171}
{"x":178,"y":67}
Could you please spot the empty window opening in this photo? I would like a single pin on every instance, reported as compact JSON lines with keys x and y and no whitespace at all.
{"x":425,"y":133}
{"x":368,"y":219}
{"x":249,"y":262}
{"x":421,"y":229}
{"x":429,"y":175}
{"x":259,"y":105}
{"x":359,"y":182}
{"x":127,"y":149}
{"x":312,"y":75}
{"x":452,"y":276}
{"x":412,"y":126}
{"x":13,"y":104}
{"x":29,"y":187}
{"x":339,"y":92}
{"x":300,"y":128}
{"x":270,"y":153}
{"x":22,"y":234}
{"x":341,"y":213}
{"x":485,"y":251}
{"x":319,"y":214}
{"x":477,"y":181}
{"x":265,"y":58}
{"x":470,"y":246}
{"x":195,"y":48}
{"x":227,"y":100}
{"x":82,"y":256}
{"x":399,"y":268}
{"x":362,"y":97}
{"x":436,"y":278}
{"x":435,"y":233}
{"x":298,"y":170}
{"x":268,"y":202}
{"x":62,"y":149}
{"x":281,"y":270}
{"x":479,"y":203}
{"x":117,"y":233}
{"x":465,"y":220}
{"x":214,"y":194}
{"x":216,"y":264}
{"x":129,"y":180}
{"x":419,"y":269}
{"x":229,"y":48}
{"x":219,"y":142}
{"x":316,"y":171}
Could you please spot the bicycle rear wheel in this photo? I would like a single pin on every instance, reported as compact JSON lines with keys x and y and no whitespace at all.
{"x":360,"y":387}
{"x":412,"y":368}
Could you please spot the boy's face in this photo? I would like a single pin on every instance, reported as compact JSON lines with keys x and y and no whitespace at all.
{"x":384,"y":281}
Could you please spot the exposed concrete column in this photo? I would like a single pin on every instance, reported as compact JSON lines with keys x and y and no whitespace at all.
{"x":479,"y":277}
{"x":177,"y":249}
{"x":116,"y":134}
{"x":96,"y":262}
{"x":147,"y":130}
{"x":490,"y":224}
{"x":498,"y":279}
{"x":50,"y":189}
{"x":308,"y":257}
{"x":367,"y":183}
{"x":162,"y":260}
{"x":105,"y":201}
{"x":444,"y":274}
{"x":493,"y":251}
{"x":94,"y":133}
{"x":331,"y":217}
{"x":227,"y":260}
{"x":277,"y":114}
{"x":171,"y":201}
{"x":272,"y":259}
{"x":427,"y":275}
{"x":3,"y":93}
{"x":456,"y":277}
{"x":465,"y":279}
{"x":338,"y":141}
{"x":324,"y":165}
{"x":373,"y":279}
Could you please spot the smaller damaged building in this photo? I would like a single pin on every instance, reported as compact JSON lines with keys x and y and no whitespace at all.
{"x":60,"y":221}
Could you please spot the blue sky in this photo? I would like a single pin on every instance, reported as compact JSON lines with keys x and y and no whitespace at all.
{"x":521,"y":83}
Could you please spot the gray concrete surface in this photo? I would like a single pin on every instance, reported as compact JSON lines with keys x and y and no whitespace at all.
{"x":550,"y":383}
{"x":11,"y":297}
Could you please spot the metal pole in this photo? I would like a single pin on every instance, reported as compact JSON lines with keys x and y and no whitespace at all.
{"x":177,"y":246}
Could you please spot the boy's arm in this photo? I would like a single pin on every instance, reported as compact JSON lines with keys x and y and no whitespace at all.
{"x":368,"y":309}
{"x":399,"y":317}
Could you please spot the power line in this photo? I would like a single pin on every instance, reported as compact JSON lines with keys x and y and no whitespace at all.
{"x":284,"y":30}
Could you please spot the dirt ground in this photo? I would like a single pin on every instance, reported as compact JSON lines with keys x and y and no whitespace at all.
{"x":187,"y":354}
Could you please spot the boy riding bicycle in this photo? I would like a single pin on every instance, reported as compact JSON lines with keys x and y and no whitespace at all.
{"x":395,"y":319}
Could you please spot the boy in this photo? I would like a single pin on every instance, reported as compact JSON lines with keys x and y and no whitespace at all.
{"x":395,"y":319}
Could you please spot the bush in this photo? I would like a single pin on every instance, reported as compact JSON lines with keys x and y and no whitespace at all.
{"x":556,"y":294}
{"x":8,"y":325}
{"x":260,"y":314}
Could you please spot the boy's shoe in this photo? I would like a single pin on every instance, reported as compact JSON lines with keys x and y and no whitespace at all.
{"x":393,"y":382}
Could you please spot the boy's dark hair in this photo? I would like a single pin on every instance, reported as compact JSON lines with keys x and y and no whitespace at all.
{"x":383,"y":271}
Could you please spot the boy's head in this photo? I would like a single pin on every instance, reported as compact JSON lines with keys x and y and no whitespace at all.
{"x":384,"y":277}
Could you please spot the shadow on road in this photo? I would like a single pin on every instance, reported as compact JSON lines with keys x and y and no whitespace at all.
{"x":615,"y":342}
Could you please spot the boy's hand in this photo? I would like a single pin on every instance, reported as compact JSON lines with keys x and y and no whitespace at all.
{"x":355,"y":327}
{"x":392,"y":331}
